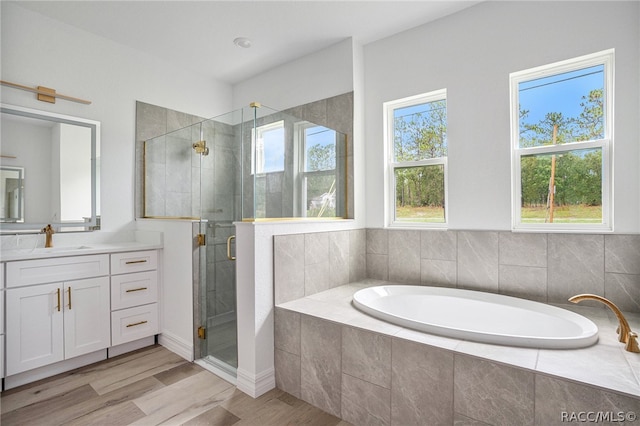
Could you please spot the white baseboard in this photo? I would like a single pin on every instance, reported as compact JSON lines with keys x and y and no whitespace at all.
{"x":176,"y":345}
{"x":256,"y":385}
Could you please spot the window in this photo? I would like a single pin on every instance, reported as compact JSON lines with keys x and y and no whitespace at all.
{"x":561,"y":137}
{"x":268,"y":147}
{"x":317,"y":177}
{"x":416,"y":142}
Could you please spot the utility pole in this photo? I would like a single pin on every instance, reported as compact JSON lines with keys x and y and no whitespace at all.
{"x":552,"y":179}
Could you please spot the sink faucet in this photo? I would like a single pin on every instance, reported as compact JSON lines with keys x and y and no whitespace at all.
{"x":48,"y":230}
{"x":626,"y":336}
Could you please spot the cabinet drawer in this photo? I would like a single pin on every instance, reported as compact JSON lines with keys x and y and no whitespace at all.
{"x":132,"y":324}
{"x":135,"y":289}
{"x":123,"y":263}
{"x":42,"y":271}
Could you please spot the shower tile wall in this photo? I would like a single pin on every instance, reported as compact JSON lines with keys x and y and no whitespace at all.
{"x":335,"y":113}
{"x":163,"y":162}
{"x":182,"y":183}
{"x":276,"y":189}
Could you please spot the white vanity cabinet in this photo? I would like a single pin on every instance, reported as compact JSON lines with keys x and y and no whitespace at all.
{"x":134,"y":296}
{"x":56,"y":309}
{"x":1,"y":320}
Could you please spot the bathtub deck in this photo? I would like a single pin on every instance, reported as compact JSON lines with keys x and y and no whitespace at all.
{"x":605,"y":365}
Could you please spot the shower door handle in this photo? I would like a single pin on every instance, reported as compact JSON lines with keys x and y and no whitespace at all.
{"x":233,"y":237}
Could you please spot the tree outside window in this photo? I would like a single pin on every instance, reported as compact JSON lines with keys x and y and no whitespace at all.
{"x":417,"y":144}
{"x":561,"y":148}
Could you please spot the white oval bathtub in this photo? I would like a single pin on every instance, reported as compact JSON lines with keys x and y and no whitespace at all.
{"x":477,"y":316}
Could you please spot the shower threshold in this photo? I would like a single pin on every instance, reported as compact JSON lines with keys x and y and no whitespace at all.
{"x":219,"y":368}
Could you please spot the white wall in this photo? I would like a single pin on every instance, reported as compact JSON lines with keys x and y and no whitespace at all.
{"x":329,"y":72}
{"x":471,"y":54}
{"x":37,"y":50}
{"x":320,"y":75}
{"x":176,"y":295}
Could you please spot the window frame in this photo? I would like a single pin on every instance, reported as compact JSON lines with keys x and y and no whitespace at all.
{"x":391,"y":165}
{"x":256,"y":134}
{"x":300,"y":155}
{"x":605,"y":58}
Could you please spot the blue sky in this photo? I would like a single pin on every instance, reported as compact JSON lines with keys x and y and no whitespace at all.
{"x":274,"y":145}
{"x":559,"y":93}
{"x":273,"y":150}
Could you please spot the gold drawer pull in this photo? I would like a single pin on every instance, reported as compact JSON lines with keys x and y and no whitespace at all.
{"x":136,"y":323}
{"x":69,"y":291}
{"x":135,"y":261}
{"x":136,"y":289}
{"x":58,"y":299}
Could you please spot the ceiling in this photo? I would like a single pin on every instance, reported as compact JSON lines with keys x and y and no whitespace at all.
{"x":199,"y":34}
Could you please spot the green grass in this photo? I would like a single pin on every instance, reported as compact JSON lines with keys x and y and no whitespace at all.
{"x":565,"y":214}
{"x":420,"y":214}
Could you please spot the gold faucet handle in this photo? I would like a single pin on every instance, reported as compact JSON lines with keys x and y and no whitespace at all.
{"x":632,"y":342}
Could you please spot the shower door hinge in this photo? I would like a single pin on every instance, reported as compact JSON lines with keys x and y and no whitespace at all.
{"x":202,"y":333}
{"x":202,"y":240}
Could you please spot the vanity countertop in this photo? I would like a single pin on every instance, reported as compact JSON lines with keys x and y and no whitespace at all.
{"x":7,"y":255}
{"x":27,"y":247}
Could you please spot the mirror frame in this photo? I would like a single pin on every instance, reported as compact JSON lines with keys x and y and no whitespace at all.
{"x":94,"y":126}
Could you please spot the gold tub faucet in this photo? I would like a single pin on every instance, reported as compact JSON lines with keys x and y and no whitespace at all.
{"x":626,"y":336}
{"x":48,"y":230}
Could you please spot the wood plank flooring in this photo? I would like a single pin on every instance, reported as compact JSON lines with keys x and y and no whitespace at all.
{"x":151,"y":386}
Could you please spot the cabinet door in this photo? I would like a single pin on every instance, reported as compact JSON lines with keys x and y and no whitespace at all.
{"x":34,"y":327}
{"x":87,"y":316}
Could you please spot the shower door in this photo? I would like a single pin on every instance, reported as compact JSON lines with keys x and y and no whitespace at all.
{"x":217,"y":155}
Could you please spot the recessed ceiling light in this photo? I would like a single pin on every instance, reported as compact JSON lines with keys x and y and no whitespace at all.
{"x":242,"y":42}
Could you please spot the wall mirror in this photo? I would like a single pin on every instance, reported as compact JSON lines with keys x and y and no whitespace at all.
{"x":11,"y":188}
{"x":50,"y":168}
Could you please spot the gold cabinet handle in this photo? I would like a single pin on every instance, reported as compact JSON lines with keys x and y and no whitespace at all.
{"x":135,"y":289}
{"x":136,"y":323}
{"x":58,"y":299}
{"x":130,"y":262}
{"x":69,"y":291}
{"x":233,"y":237}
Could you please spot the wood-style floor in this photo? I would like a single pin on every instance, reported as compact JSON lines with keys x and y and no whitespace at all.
{"x":149,"y":387}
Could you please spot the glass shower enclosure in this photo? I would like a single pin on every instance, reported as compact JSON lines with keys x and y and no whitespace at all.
{"x":251,"y":164}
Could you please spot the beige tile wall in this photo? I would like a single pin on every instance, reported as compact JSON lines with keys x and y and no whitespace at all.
{"x":306,"y":264}
{"x":369,"y":378}
{"x":542,"y":267}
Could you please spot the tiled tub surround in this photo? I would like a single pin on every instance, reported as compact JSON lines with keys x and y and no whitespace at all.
{"x":370,"y":372}
{"x":541,"y":267}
